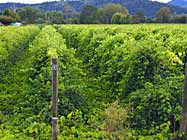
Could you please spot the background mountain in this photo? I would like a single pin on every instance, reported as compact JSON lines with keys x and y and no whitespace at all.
{"x":149,"y":8}
{"x":181,"y":3}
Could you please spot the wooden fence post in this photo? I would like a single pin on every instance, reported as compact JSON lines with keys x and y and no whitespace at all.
{"x":54,"y":99}
{"x":184,"y":104}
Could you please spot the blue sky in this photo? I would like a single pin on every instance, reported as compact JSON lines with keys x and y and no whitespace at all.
{"x":39,"y":1}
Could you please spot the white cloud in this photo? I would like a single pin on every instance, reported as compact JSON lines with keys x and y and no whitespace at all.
{"x":165,"y":1}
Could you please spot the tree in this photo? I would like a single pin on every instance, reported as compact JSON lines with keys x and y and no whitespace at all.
{"x":138,"y":18}
{"x":30,"y":15}
{"x":126,"y":19}
{"x":180,"y":19}
{"x":118,"y":18}
{"x":9,"y":16}
{"x":110,"y":9}
{"x":54,"y":17}
{"x":149,"y":20}
{"x":75,"y":19}
{"x":12,"y":14}
{"x":68,"y":11}
{"x":6,"y":20}
{"x":100,"y":15}
{"x":88,"y":14}
{"x":163,"y":15}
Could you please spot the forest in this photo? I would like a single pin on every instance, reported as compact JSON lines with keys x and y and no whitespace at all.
{"x":111,"y":13}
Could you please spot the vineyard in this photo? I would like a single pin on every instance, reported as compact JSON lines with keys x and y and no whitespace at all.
{"x":116,"y":82}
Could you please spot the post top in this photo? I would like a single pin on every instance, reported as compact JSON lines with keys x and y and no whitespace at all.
{"x":54,"y":60}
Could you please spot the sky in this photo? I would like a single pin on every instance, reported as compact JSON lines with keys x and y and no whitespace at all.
{"x":40,"y":1}
{"x":162,"y":0}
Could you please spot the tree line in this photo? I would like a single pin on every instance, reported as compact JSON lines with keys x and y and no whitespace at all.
{"x":109,"y":14}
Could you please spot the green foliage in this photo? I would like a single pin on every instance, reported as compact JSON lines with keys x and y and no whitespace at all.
{"x":138,"y":18}
{"x":54,"y":17}
{"x":117,"y":18}
{"x":116,"y":117}
{"x":163,"y":15}
{"x":88,"y":14}
{"x":115,"y":82}
{"x":110,"y":9}
{"x":7,"y":20}
{"x":31,"y":108}
{"x":9,"y":16}
{"x":30,"y":15}
{"x":11,"y":13}
{"x":141,"y":65}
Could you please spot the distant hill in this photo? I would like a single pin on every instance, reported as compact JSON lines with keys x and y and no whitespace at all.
{"x":181,"y":3}
{"x":149,"y":8}
{"x":11,"y":5}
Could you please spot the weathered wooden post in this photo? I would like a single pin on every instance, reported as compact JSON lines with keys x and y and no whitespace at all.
{"x":184,"y":104}
{"x":54,"y":99}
